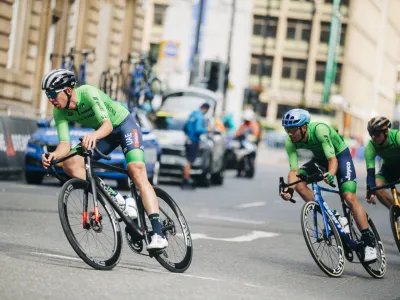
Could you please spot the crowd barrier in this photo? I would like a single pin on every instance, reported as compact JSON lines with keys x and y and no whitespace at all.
{"x":14,"y":135}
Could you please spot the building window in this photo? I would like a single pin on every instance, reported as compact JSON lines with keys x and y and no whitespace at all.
{"x":298,"y":30}
{"x":265,"y":26}
{"x":294,"y":69}
{"x":261,"y":65}
{"x":320,"y":72}
{"x":159,"y":14}
{"x":325,"y":31}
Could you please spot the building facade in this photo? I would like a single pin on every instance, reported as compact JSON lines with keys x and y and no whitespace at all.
{"x":113,"y":28}
{"x":289,"y":53}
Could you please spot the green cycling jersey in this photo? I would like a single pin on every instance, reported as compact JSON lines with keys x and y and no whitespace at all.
{"x":390,"y":153}
{"x":93,"y":107}
{"x":323,"y":141}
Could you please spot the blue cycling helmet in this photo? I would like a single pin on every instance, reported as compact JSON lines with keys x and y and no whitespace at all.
{"x":296,"y":118}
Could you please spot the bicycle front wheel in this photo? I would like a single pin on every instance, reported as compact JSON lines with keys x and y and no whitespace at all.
{"x":99,"y":243}
{"x":378,"y":268}
{"x":394,"y":223}
{"x":177,"y":257}
{"x":327,"y":251}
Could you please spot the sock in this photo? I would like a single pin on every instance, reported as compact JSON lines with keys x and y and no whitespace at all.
{"x":155,"y":223}
{"x":367,"y":237}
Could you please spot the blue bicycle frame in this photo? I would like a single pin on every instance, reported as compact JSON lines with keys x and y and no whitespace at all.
{"x":326,"y":210}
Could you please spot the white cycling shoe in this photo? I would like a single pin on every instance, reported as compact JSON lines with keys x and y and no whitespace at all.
{"x":369,"y":254}
{"x":157,"y":243}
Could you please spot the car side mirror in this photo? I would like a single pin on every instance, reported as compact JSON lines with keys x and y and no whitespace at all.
{"x":43,"y":123}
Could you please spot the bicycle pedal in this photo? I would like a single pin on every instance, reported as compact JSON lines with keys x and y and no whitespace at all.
{"x":153,"y":253}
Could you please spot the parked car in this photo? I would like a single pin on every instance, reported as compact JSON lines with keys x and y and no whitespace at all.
{"x":45,"y":139}
{"x":169,"y":121}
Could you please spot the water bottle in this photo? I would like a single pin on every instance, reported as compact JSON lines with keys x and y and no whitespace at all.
{"x":345,"y":224}
{"x":130,"y":207}
{"x":119,"y":198}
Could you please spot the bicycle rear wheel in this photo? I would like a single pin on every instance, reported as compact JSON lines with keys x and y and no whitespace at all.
{"x":177,"y":257}
{"x":378,"y":268}
{"x":330,"y":259}
{"x":394,"y":223}
{"x":105,"y":234}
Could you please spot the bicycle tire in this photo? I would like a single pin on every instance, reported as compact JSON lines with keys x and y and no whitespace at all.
{"x":334,"y":271}
{"x":378,"y":268}
{"x":394,"y":215}
{"x":65,"y":193}
{"x":163,"y":259}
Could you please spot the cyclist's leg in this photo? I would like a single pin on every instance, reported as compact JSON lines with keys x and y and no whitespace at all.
{"x":132,"y":145}
{"x":301,"y":188}
{"x":384,"y":176}
{"x":75,"y":166}
{"x":347,"y":179}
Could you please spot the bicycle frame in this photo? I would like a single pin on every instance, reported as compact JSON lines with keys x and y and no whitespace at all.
{"x":326,"y":210}
{"x":135,"y":229}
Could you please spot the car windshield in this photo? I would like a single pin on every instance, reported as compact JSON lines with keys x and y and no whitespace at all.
{"x":169,"y":123}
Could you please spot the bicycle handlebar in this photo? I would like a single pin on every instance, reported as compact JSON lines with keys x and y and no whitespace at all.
{"x":389,"y":185}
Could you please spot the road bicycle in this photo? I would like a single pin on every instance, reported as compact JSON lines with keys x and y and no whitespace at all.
{"x":320,"y":224}
{"x":394,"y":210}
{"x":87,"y":211}
{"x":68,"y":62}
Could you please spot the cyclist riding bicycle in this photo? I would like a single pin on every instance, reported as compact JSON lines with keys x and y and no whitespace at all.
{"x":384,"y":143}
{"x":114,"y":127}
{"x":331,"y":155}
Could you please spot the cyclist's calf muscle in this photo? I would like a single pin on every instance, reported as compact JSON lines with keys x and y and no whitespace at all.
{"x":75,"y":167}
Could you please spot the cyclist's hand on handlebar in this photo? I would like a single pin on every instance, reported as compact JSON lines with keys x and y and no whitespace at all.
{"x":370,"y":198}
{"x":89,"y":141}
{"x":46,"y":160}
{"x":329,"y":178}
{"x":287,"y":193}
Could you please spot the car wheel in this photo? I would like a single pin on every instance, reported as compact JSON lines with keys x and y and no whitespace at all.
{"x":205,"y":178}
{"x":218,"y":178}
{"x":33,"y":177}
{"x":156,"y":171}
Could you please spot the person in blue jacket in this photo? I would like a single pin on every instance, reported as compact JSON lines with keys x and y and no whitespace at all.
{"x":194,"y":127}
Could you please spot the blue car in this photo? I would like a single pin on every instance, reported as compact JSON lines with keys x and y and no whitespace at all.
{"x":45,"y":139}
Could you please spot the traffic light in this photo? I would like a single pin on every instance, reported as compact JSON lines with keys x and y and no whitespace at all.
{"x":226,"y":78}
{"x":213,"y":77}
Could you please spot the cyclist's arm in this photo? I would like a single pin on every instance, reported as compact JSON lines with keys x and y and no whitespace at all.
{"x":369,"y":156}
{"x":293,"y":161}
{"x":63,"y":147}
{"x":322,"y":132}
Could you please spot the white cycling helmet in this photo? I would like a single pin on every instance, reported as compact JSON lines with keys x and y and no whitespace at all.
{"x":57,"y":79}
{"x":248,"y":115}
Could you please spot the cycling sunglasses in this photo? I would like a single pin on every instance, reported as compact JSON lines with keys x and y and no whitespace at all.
{"x":375,"y":132}
{"x":53,"y":94}
{"x":292,"y":130}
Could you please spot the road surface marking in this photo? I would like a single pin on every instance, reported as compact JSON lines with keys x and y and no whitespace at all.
{"x":254,"y":235}
{"x":235,"y":220}
{"x":253,"y":204}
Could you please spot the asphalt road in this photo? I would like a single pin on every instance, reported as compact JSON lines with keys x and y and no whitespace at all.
{"x":247,"y":245}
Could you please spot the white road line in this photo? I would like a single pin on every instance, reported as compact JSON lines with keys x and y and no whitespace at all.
{"x":235,"y":220}
{"x":254,"y":235}
{"x":127,"y":266}
{"x":253,"y":204}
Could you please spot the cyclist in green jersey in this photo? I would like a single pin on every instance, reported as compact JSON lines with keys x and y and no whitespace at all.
{"x":114,"y":126}
{"x":384,"y":143}
{"x":332,"y":155}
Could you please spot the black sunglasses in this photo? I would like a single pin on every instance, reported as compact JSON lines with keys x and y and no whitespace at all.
{"x":53,"y":94}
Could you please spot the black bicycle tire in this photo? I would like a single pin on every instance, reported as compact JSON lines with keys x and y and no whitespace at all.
{"x":186,"y":261}
{"x":321,"y":265}
{"x":378,"y":240}
{"x":100,"y":265}
{"x":394,"y":211}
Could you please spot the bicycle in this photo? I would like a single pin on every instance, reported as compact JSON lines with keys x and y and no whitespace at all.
{"x":95,"y":220}
{"x":327,"y":229}
{"x":394,"y":210}
{"x":82,"y":68}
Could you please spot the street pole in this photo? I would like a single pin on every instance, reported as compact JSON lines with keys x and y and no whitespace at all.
{"x":332,"y":47}
{"x":314,"y":9}
{"x":195,"y":59}
{"x":228,"y":62}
